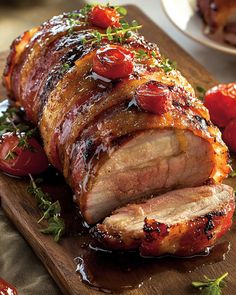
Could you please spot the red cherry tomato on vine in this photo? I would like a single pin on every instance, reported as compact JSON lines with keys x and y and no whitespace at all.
{"x":6,"y":288}
{"x":113,"y":62}
{"x":154,"y":97}
{"x":104,"y":17}
{"x":21,"y":160}
{"x":229,"y":135}
{"x":221,"y":103}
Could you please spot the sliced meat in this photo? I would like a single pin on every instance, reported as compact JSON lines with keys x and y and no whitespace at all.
{"x":182,"y":222}
{"x":151,"y":161}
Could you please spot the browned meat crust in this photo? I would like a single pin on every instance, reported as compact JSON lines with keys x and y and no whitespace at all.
{"x":84,"y":120}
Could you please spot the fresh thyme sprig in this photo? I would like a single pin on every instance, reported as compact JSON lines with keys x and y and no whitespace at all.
{"x":119,"y":35}
{"x":167,"y":65}
{"x":51,"y":211}
{"x":211,"y":286}
{"x":10,"y":121}
{"x":141,"y":54}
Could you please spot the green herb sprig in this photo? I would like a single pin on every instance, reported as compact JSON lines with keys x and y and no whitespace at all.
{"x":64,"y":68}
{"x":140,"y":54}
{"x":211,"y":286}
{"x":51,"y":210}
{"x":201,"y":92}
{"x":119,"y":35}
{"x":9,"y":122}
{"x":167,"y":65}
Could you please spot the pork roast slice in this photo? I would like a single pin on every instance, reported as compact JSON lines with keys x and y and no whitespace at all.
{"x":181,"y":222}
{"x":152,"y":161}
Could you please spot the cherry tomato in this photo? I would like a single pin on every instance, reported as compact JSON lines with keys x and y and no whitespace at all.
{"x":113,"y":62}
{"x":104,"y":17}
{"x":154,"y":97}
{"x":21,"y":161}
{"x":6,"y":288}
{"x":229,"y":135}
{"x":221,"y":103}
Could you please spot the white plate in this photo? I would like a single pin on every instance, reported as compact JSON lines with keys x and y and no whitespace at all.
{"x":183,"y":14}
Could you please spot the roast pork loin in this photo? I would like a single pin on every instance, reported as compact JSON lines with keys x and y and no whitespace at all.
{"x":181,"y":222}
{"x":111,"y":151}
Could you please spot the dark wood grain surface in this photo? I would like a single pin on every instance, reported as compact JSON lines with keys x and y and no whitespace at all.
{"x":160,"y":276}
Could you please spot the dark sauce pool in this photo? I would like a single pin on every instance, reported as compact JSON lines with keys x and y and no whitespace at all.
{"x":114,"y":271}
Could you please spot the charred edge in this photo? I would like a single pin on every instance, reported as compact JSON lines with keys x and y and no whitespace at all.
{"x":103,"y":236}
{"x":151,"y":226}
{"x":57,"y":73}
{"x":210,"y":225}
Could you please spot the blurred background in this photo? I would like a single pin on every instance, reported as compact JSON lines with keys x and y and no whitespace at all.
{"x":17,"y":16}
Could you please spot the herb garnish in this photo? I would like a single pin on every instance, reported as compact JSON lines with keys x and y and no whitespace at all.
{"x":119,"y":35}
{"x":121,"y":10}
{"x":167,"y":65}
{"x":141,"y":54}
{"x":10,"y":121}
{"x":10,"y":155}
{"x":64,"y":68}
{"x":211,"y":286}
{"x":51,"y":210}
{"x":201,"y":92}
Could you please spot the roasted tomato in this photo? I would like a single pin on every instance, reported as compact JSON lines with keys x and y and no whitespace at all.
{"x":21,"y":159}
{"x":104,"y":17}
{"x":6,"y":288}
{"x":221,"y":103}
{"x":113,"y":62}
{"x":229,"y":135}
{"x":154,"y":97}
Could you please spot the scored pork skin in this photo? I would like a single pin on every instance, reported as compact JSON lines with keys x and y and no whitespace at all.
{"x":182,"y":222}
{"x":84,"y":121}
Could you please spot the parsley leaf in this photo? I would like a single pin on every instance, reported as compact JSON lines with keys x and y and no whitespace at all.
{"x":211,"y":286}
{"x":55,"y":227}
{"x":201,"y":92}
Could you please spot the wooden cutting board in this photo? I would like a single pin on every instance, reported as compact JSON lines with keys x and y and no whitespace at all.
{"x":121,"y":273}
